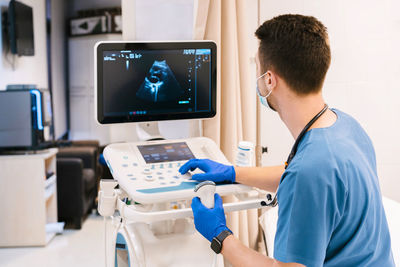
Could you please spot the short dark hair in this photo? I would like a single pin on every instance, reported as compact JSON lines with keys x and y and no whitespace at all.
{"x":297,"y":48}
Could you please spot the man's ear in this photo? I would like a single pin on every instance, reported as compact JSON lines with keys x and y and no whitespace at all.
{"x":271,"y":80}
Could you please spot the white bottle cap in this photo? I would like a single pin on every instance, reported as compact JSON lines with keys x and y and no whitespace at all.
{"x":246,"y":145}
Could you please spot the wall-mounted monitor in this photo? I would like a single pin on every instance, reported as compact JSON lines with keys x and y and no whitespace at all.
{"x":153,"y":81}
{"x":20,"y":29}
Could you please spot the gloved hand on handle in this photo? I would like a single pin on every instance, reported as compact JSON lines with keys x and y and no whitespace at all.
{"x":213,"y":171}
{"x":209,"y":222}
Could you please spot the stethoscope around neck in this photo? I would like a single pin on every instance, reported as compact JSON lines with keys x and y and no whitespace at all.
{"x":273,"y":202}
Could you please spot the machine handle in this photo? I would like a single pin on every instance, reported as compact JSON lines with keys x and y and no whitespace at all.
{"x":133,"y":216}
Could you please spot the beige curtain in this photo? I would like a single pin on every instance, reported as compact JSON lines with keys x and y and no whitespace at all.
{"x":225,"y":22}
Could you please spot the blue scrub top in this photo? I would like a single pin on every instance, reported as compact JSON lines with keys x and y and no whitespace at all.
{"x":330,"y":204}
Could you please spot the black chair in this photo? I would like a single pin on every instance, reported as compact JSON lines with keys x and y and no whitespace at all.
{"x":78,"y":176}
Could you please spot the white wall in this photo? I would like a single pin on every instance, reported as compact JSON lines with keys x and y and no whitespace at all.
{"x":28,"y":70}
{"x":363,"y":79}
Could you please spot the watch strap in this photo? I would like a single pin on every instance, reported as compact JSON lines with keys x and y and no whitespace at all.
{"x":216,"y":244}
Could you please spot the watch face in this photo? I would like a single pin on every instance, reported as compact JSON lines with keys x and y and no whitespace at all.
{"x":216,"y":245}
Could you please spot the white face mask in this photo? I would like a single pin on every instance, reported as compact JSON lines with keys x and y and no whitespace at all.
{"x":263,"y":99}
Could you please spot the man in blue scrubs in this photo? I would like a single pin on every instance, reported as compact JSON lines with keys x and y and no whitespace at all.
{"x":330,"y":206}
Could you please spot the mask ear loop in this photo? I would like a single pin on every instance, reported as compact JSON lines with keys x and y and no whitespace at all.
{"x":262,"y":75}
{"x":269,"y":91}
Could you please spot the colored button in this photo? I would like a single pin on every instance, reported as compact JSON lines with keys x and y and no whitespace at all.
{"x":149,"y":178}
{"x":146,"y":171}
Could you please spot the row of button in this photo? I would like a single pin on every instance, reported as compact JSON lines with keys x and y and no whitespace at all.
{"x":165,"y":165}
{"x":147,"y":172}
{"x":169,"y":166}
{"x":152,"y":177}
{"x":154,"y":167}
{"x":160,"y":177}
{"x":127,"y":165}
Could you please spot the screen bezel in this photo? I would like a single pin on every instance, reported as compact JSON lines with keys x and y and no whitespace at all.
{"x":110,"y":46}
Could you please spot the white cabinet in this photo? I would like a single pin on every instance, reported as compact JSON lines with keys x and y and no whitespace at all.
{"x":28,"y":195}
{"x":81,"y":88}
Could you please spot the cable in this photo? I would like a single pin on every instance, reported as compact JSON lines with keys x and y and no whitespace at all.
{"x":6,"y":57}
{"x":11,"y":62}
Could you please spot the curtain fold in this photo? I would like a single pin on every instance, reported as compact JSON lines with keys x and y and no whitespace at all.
{"x":208,"y":27}
{"x":225,"y":22}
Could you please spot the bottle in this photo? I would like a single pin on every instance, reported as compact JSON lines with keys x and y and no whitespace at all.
{"x":245,"y":154}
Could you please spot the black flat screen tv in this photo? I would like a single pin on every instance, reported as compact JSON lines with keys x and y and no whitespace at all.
{"x":20,"y":29}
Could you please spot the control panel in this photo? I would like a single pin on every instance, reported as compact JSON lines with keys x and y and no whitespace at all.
{"x":148,"y":171}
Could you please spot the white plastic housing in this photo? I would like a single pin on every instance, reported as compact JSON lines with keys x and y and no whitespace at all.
{"x":205,"y":191}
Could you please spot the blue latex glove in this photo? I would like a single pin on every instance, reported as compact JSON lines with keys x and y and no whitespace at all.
{"x":214,"y":171}
{"x":209,"y":222}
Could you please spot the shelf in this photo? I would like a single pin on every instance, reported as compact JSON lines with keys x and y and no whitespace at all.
{"x":50,"y":187}
{"x":49,"y":181}
{"x":29,"y":197}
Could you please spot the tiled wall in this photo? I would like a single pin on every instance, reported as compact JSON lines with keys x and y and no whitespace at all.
{"x":363,"y":80}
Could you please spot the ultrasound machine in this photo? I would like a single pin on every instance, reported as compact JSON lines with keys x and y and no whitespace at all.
{"x":148,"y":200}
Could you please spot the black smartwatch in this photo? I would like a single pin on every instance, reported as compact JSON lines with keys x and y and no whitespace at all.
{"x":216,"y":243}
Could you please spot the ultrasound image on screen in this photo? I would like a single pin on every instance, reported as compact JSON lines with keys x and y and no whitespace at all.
{"x":146,"y":82}
{"x":160,"y":84}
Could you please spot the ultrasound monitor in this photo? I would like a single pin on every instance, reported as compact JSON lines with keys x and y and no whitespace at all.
{"x":153,"y":81}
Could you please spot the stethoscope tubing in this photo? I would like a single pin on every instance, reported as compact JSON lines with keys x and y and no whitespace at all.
{"x":273,"y":202}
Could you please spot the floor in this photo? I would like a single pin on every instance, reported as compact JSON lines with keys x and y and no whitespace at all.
{"x":75,"y":248}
